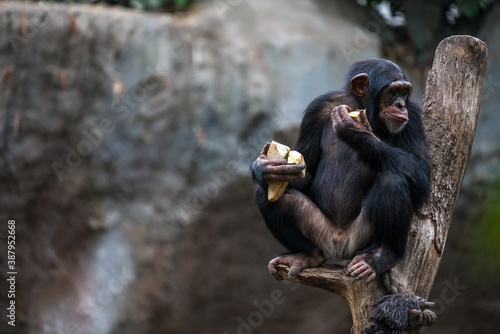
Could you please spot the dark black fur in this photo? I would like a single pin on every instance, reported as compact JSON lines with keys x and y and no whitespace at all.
{"x":389,"y":178}
{"x":391,"y":314}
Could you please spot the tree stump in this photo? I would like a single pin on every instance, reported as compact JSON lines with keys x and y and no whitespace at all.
{"x":451,"y":105}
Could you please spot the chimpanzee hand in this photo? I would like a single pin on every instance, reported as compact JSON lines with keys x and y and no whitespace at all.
{"x":266,"y":170}
{"x":360,"y":268}
{"x":345,"y":126}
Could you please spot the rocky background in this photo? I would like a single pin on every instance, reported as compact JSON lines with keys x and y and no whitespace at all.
{"x":125,"y":144}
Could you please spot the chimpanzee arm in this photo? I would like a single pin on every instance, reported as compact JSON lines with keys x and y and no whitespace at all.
{"x":285,"y":216}
{"x":310,"y":140}
{"x":393,"y":160}
{"x":405,"y":155}
{"x":389,"y":207}
{"x":309,"y":144}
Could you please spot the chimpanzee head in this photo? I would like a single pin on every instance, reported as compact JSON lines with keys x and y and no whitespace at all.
{"x":383,"y":89}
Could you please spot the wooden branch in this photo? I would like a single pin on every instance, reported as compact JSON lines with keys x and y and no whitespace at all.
{"x":360,"y":296}
{"x":451,"y":105}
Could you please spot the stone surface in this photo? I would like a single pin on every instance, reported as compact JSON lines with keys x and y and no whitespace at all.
{"x":125,"y":139}
{"x":151,"y":122}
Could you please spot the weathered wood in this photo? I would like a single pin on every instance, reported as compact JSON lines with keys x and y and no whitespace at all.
{"x":360,"y":296}
{"x":450,"y":110}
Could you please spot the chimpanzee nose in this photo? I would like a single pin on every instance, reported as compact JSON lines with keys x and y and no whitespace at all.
{"x":400,"y":104}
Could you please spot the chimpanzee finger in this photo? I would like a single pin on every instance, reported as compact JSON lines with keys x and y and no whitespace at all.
{"x":332,"y":116}
{"x":359,"y":269}
{"x":285,"y":169}
{"x":272,"y":269}
{"x":354,"y":268}
{"x":364,"y":271}
{"x":344,"y":112}
{"x":357,"y":259}
{"x":278,"y":178}
{"x":336,"y":119}
{"x":364,"y":120}
{"x":270,"y":162}
{"x":265,"y":149}
{"x":294,"y":270}
{"x":350,"y":271}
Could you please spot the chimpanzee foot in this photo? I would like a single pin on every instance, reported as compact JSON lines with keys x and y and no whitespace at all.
{"x":360,"y":269}
{"x":296,"y":262}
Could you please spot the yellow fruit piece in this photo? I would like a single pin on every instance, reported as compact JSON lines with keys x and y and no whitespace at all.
{"x":276,"y":190}
{"x":296,"y":158}
{"x":277,"y":150}
{"x":280,"y":151}
{"x":355,"y":116}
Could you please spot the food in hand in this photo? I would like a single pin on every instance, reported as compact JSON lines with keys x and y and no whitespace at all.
{"x":355,"y":115}
{"x":280,"y":151}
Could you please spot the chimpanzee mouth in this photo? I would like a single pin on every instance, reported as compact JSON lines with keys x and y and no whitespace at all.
{"x":398,"y":117}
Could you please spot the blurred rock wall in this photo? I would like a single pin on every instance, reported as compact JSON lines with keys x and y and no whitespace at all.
{"x":125,"y":145}
{"x":126,"y":141}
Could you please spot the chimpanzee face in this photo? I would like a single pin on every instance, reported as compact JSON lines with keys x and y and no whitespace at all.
{"x":393,"y":99}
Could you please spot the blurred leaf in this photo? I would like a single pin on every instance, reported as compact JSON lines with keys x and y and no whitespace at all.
{"x":469,"y":8}
{"x":181,"y":3}
{"x":487,"y":232}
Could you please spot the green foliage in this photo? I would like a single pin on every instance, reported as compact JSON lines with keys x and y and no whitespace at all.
{"x":153,"y":5}
{"x":470,"y":8}
{"x":487,"y":232}
{"x":428,"y":22}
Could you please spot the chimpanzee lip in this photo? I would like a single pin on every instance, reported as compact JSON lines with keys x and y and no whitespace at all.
{"x":398,"y":117}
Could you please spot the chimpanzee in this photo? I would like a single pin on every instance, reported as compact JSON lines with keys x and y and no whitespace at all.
{"x":364,"y":180}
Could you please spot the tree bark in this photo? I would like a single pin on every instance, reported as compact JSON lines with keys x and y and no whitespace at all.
{"x":451,"y":105}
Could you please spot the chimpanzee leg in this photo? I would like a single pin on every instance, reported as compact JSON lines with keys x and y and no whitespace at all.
{"x":389,"y":211}
{"x":296,"y":221}
{"x":300,"y":226}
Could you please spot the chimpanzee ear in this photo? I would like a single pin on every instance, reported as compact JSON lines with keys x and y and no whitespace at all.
{"x":359,"y":84}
